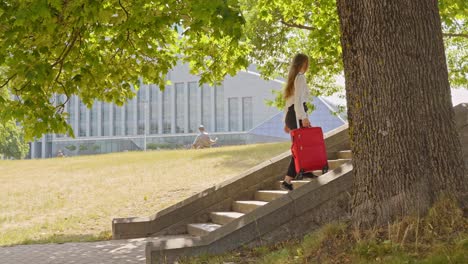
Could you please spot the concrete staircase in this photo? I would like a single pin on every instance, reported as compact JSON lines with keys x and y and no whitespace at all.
{"x":261,"y":198}
{"x":248,"y":209}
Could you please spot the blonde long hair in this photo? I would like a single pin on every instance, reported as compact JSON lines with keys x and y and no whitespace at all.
{"x":294,"y":69}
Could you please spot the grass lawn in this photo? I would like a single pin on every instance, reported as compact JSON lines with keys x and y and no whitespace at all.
{"x":75,"y":199}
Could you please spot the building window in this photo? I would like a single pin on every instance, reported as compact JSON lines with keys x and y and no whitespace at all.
{"x":247,"y":116}
{"x":180,"y":107}
{"x":82,"y":119}
{"x":72,"y":114}
{"x":93,"y":120}
{"x":59,"y":100}
{"x":69,"y":110}
{"x":193,"y":106}
{"x":233,"y":104}
{"x":167,"y":115}
{"x":154,"y":110}
{"x":141,"y":115}
{"x":105,"y":120}
{"x":129,"y":117}
{"x":219,"y":94}
{"x":206,"y":106}
{"x":117,"y":120}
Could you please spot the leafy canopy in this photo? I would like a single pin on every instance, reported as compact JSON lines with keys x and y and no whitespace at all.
{"x":97,"y":49}
{"x":278,"y":29}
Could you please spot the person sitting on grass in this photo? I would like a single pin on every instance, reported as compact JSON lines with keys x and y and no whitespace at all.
{"x":203,"y":139}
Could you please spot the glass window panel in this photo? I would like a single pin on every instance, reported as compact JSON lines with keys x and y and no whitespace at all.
{"x":129,"y":121}
{"x":219,"y":92}
{"x":154,"y":110}
{"x":193,"y":106}
{"x":59,"y":100}
{"x":247,"y":118}
{"x":167,"y":113}
{"x":82,"y":119}
{"x":105,"y":120}
{"x":141,"y":102}
{"x":117,"y":120}
{"x":93,"y":116}
{"x":180,"y":107}
{"x":233,"y":114}
{"x":206,"y":106}
{"x":71,"y":114}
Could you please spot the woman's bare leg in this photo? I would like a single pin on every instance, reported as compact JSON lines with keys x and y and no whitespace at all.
{"x":288,"y":179}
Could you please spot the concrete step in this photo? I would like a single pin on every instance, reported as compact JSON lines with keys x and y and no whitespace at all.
{"x":269,"y":195}
{"x":296,"y":184}
{"x":317,"y":172}
{"x":345,"y":154}
{"x":247,"y":206}
{"x":333,"y":164}
{"x":223,"y":218}
{"x":201,"y":229}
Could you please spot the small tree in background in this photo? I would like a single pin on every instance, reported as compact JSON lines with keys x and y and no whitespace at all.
{"x":12,"y":144}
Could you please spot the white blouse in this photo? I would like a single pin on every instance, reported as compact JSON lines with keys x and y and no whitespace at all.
{"x":301,"y":95}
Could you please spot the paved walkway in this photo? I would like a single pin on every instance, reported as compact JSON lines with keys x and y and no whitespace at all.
{"x":104,"y":252}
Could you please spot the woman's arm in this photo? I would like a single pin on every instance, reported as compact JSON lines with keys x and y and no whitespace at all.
{"x":300,"y":86}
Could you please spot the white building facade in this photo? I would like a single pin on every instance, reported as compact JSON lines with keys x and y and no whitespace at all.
{"x":169,"y":118}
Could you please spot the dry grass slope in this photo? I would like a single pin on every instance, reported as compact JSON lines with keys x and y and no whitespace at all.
{"x":75,"y":199}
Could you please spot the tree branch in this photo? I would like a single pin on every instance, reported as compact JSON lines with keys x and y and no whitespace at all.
{"x":60,"y":61}
{"x":67,"y":49}
{"x":125,"y":10}
{"x":289,"y":24}
{"x":7,"y":81}
{"x":452,"y":35}
{"x":20,"y":89}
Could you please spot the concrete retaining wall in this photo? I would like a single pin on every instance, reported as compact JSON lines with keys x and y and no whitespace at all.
{"x":174,"y":219}
{"x":321,"y":201}
{"x":324,"y":200}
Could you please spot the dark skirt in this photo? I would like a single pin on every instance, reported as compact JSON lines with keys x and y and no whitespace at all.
{"x":291,"y":123}
{"x":291,"y":117}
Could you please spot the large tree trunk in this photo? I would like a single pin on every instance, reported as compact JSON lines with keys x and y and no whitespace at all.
{"x":405,"y":146}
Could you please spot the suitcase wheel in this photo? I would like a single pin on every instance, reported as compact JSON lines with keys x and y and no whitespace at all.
{"x":325,"y":169}
{"x":300,"y":175}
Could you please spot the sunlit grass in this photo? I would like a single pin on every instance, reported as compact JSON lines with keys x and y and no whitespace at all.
{"x":75,"y":199}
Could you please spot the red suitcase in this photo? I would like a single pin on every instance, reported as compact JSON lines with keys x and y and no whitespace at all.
{"x":308,"y":150}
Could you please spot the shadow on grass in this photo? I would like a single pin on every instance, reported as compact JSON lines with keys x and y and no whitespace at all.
{"x":64,"y":238}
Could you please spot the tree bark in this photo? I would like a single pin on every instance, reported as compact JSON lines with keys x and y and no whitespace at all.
{"x":406,"y":151}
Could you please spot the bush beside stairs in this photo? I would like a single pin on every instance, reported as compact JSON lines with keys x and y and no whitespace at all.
{"x":248,"y":210}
